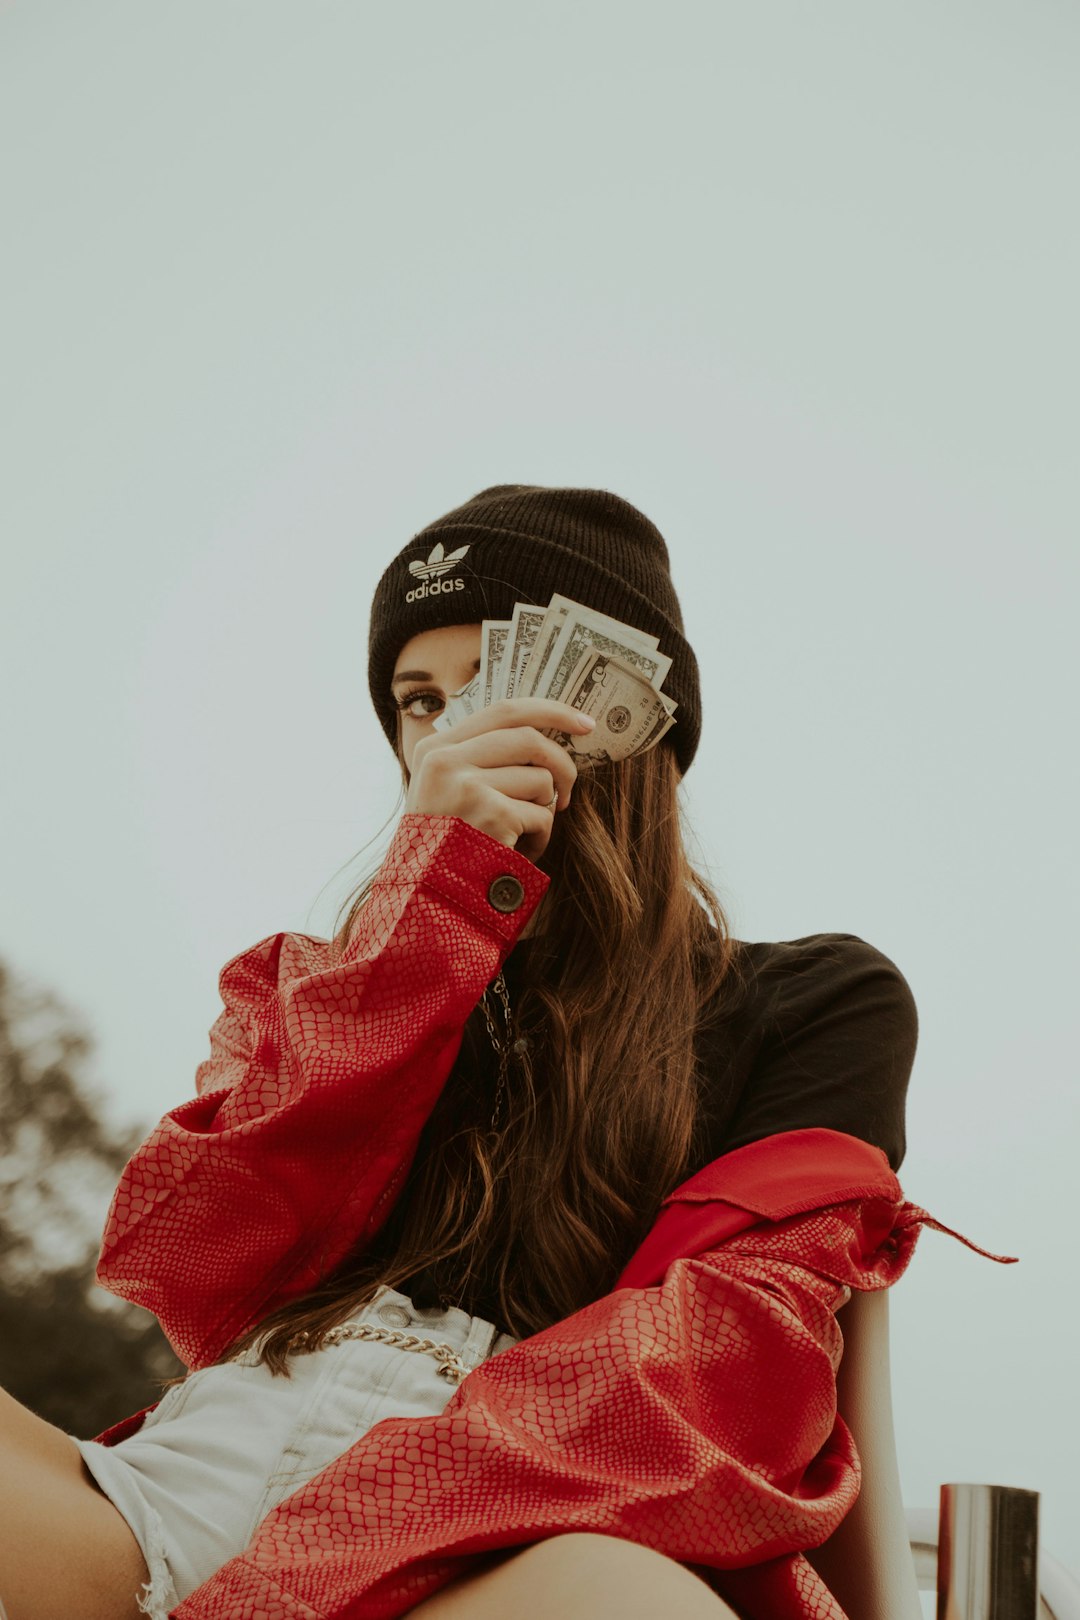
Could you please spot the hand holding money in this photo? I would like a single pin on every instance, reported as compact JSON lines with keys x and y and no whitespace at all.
{"x":500,"y":770}
{"x":570,"y":654}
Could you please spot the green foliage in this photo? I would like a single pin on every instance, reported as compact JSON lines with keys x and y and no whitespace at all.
{"x":70,"y":1351}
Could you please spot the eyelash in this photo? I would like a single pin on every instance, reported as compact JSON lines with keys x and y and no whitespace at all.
{"x":408,"y":698}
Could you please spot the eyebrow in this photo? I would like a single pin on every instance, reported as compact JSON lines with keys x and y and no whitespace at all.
{"x":422,"y":674}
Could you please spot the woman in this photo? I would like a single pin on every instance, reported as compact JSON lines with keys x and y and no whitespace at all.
{"x":416,"y":1234}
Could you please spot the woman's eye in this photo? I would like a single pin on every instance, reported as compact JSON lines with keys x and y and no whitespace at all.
{"x":420,"y":705}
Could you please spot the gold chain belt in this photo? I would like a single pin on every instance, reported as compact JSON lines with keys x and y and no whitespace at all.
{"x":451,"y":1365}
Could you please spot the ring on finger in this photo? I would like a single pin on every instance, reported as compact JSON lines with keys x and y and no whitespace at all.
{"x":554,"y":800}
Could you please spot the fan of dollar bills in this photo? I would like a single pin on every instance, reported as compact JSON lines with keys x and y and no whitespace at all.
{"x":575,"y":655}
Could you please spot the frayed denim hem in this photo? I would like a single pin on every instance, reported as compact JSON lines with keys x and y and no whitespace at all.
{"x":157,"y":1595}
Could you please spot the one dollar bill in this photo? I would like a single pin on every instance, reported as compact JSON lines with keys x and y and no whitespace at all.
{"x":631,"y":716}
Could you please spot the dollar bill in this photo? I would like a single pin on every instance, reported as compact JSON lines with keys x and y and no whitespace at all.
{"x":469,"y":697}
{"x":538,"y":681}
{"x":583,"y":629}
{"x":493,"y":634}
{"x":546,"y":637}
{"x":458,"y":705}
{"x":631,"y":716}
{"x":524,"y":628}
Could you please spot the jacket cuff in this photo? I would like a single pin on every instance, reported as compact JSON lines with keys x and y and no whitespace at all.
{"x":491,"y":883}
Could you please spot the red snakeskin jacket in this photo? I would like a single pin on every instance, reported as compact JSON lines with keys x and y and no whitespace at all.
{"x":692,"y":1409}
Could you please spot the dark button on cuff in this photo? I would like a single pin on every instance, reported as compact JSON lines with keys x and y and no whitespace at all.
{"x":506,"y":893}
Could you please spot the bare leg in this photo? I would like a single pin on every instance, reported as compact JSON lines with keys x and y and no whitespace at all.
{"x":64,"y":1549}
{"x":579,"y":1577}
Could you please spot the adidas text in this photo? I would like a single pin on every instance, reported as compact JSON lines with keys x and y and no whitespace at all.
{"x":433,"y":587}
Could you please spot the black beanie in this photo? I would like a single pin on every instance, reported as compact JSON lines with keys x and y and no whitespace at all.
{"x":522,"y":543}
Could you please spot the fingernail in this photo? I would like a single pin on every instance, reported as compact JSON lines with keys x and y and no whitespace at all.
{"x":588,"y":721}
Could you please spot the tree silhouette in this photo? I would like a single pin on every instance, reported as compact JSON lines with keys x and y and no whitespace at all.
{"x":73,"y":1353}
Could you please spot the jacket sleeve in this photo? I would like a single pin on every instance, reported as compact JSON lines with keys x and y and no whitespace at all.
{"x":697,"y":1416}
{"x":309,"y":1109}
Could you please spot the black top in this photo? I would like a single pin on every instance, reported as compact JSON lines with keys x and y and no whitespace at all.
{"x":822,"y":1033}
{"x":825,"y":1036}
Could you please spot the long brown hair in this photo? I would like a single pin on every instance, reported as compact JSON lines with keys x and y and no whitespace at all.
{"x":630,"y":951}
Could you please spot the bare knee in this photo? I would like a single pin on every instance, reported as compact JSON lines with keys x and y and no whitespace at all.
{"x":579,"y":1576}
{"x":619,"y":1578}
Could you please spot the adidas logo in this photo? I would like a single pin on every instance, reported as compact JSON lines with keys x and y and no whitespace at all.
{"x":440,"y":562}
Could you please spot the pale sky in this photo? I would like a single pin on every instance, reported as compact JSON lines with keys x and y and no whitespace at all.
{"x":283,"y":282}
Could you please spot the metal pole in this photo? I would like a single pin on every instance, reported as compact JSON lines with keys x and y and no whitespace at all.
{"x":988,"y":1553}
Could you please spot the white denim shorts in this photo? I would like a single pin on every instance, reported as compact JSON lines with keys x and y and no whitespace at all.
{"x":226,"y":1446}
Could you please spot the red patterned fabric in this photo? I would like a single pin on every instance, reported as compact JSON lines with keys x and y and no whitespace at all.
{"x":310,"y":1107}
{"x":697,"y":1417}
{"x":692,"y":1409}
